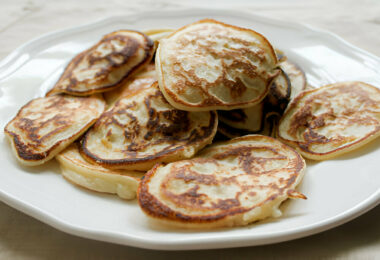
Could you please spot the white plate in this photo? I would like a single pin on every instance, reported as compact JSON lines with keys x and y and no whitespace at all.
{"x":337,"y":190}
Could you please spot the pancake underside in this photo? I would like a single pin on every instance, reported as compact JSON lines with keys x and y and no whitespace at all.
{"x":96,"y":178}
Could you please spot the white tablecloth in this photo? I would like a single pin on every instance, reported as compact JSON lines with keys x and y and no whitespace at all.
{"x":22,"y":237}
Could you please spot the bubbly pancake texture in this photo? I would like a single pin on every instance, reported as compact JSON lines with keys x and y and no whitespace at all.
{"x":94,"y":177}
{"x":45,"y":126}
{"x":143,"y":128}
{"x":332,"y":120}
{"x":106,"y":64}
{"x":209,"y":65}
{"x":228,"y":184}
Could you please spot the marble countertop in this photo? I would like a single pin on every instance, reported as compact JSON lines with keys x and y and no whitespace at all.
{"x":22,"y":237}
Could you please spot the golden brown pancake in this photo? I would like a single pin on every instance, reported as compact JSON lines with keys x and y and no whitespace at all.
{"x":45,"y":126}
{"x":210,"y":65}
{"x":231,"y":183}
{"x":77,"y":170}
{"x":332,"y":120}
{"x":105,"y":65}
{"x":143,"y":129}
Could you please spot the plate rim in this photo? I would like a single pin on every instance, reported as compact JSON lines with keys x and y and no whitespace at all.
{"x":239,"y":241}
{"x":13,"y":61}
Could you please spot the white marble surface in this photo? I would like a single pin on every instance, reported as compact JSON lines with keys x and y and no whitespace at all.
{"x":22,"y":237}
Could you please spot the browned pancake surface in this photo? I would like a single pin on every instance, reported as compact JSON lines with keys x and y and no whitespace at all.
{"x":331,"y":120}
{"x":106,"y":64}
{"x":143,"y":128}
{"x":209,"y":65}
{"x":227,"y":184}
{"x":45,"y":126}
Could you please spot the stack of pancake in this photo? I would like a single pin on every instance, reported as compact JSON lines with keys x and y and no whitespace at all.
{"x":134,"y":113}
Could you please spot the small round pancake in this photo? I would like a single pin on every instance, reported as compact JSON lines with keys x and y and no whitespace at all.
{"x":143,"y":129}
{"x":297,"y":77}
{"x":106,"y":64}
{"x":332,"y":120}
{"x":94,"y":177}
{"x":210,"y":65}
{"x":231,"y":183}
{"x":143,"y":79}
{"x":45,"y":126}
